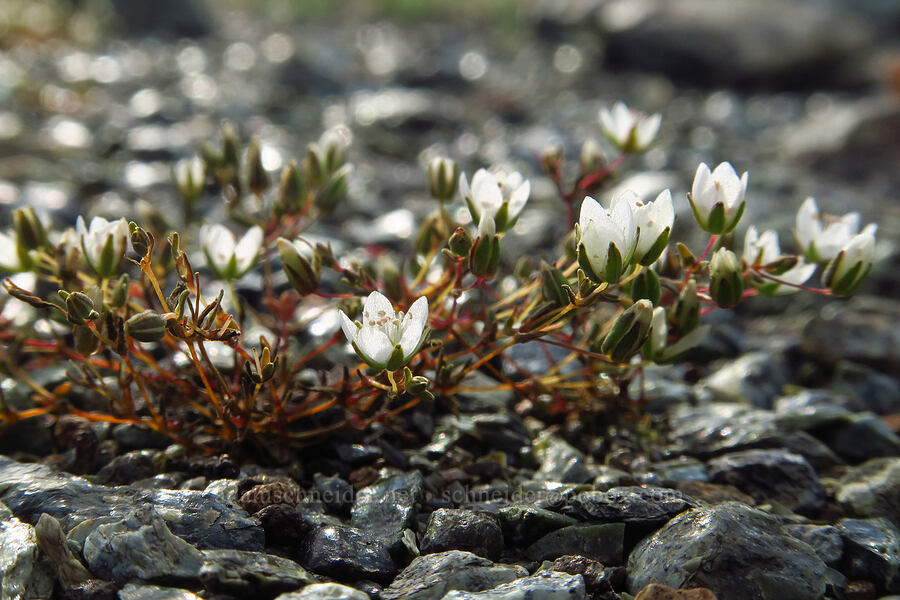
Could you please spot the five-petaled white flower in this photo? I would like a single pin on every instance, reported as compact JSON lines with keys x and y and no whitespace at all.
{"x":822,"y":237}
{"x":853,"y":262}
{"x":226,"y":257}
{"x":630,"y":130}
{"x":653,"y":221}
{"x":717,"y":197}
{"x":763,"y":249}
{"x":387,"y":339}
{"x":605,"y":238}
{"x":501,"y":196}
{"x":104,"y":243}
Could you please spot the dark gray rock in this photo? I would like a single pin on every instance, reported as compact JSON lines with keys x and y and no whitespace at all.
{"x":560,"y":461}
{"x":53,"y":543}
{"x":861,"y":436}
{"x":502,"y":431}
{"x":873,"y":391}
{"x":814,"y":450}
{"x":130,"y":467}
{"x":602,"y":542}
{"x":718,"y":44}
{"x":141,"y":547}
{"x":386,"y":508}
{"x":250,"y":574}
{"x":606,"y":477}
{"x":771,"y":475}
{"x":824,"y":539}
{"x":138,"y":437}
{"x":669,"y":473}
{"x":631,"y":505}
{"x":334,"y":492}
{"x":736,"y":551}
{"x":463,"y":529}
{"x":431,"y":576}
{"x":523,"y":524}
{"x":872,"y":552}
{"x":171,"y":19}
{"x":755,"y":378}
{"x":201,"y":519}
{"x":24,"y":572}
{"x":347,"y":554}
{"x":872,"y":490}
{"x":712,"y":429}
{"x":325,"y":591}
{"x":547,"y":585}
{"x":136,"y":591}
{"x":810,"y":409}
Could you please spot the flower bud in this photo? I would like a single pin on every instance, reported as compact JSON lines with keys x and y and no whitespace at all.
{"x":717,"y":197}
{"x":189,"y":175}
{"x":552,"y":160}
{"x":416,"y":385}
{"x":302,"y":272}
{"x":726,"y":281}
{"x":257,"y":178}
{"x":120,"y":291}
{"x":629,"y":332}
{"x":30,"y":232}
{"x":460,"y":242}
{"x":443,"y":175}
{"x":685,"y":315}
{"x":140,"y":239}
{"x":847,"y":270}
{"x":484,"y":258}
{"x":79,"y":307}
{"x":645,"y":285}
{"x":592,"y":157}
{"x":262,"y":368}
{"x":334,"y":190}
{"x":552,"y":282}
{"x":146,"y":326}
{"x":291,"y":190}
{"x":86,"y":341}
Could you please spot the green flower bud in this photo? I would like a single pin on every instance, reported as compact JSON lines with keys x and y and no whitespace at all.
{"x":257,"y":178}
{"x":484,"y":257}
{"x":552,"y":282}
{"x":79,"y":307}
{"x":30,"y":232}
{"x":86,"y":341}
{"x":726,"y":281}
{"x":629,"y":332}
{"x":645,"y":285}
{"x":460,"y":242}
{"x":685,"y":315}
{"x":140,"y":239}
{"x":120,"y":291}
{"x":303,"y":273}
{"x":189,"y":175}
{"x":333,"y":191}
{"x":443,"y":177}
{"x":147,"y":326}
{"x":262,"y":368}
{"x":849,"y":268}
{"x":416,"y":385}
{"x":291,"y":190}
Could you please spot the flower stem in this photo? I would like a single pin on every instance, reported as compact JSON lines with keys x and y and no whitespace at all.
{"x":394,"y":390}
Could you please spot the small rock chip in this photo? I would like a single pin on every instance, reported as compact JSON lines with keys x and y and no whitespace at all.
{"x":657,"y":591}
{"x":269,"y":494}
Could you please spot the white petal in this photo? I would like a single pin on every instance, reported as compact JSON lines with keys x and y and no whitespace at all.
{"x":807,"y":224}
{"x":487,"y":228}
{"x":375,"y":344}
{"x":798,"y":275}
{"x":349,"y":327}
{"x":376,"y":306}
{"x":699,"y":189}
{"x":647,"y":129}
{"x":870,"y":229}
{"x":624,"y":121}
{"x":658,"y":330}
{"x":463,"y":185}
{"x":591,"y":210}
{"x":486,"y":193}
{"x":518,"y":198}
{"x":622,"y":216}
{"x":247,"y":249}
{"x":751,"y":249}
{"x":414,"y":326}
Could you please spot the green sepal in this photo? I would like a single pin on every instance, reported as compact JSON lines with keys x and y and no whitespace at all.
{"x":736,"y":219}
{"x":646,"y":286}
{"x":501,"y":218}
{"x":715,"y":223}
{"x":585,"y":263}
{"x":613,"y":264}
{"x":657,"y":248}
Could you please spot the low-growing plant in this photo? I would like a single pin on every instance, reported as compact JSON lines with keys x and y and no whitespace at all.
{"x":164,"y":342}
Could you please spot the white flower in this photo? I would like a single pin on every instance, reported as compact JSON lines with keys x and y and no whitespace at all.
{"x":761,"y":250}
{"x":629,"y":130}
{"x":500,"y":196}
{"x":190,"y":175}
{"x":104,"y":244}
{"x":10,"y":261}
{"x":851,"y":265}
{"x":227,"y":257}
{"x":386,"y":339}
{"x":819,"y":241}
{"x":654,"y":222}
{"x":605,"y":238}
{"x":717,"y":198}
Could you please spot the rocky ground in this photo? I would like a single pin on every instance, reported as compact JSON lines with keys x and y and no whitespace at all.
{"x":765,"y":467}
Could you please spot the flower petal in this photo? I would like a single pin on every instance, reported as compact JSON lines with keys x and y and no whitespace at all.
{"x":375,"y":346}
{"x":375,"y":307}
{"x":349,"y":327}
{"x":518,"y":198}
{"x":486,"y":193}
